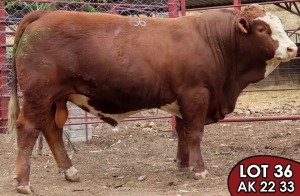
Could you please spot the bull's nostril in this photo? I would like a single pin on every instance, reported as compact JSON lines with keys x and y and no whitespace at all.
{"x":289,"y":49}
{"x":292,"y":51}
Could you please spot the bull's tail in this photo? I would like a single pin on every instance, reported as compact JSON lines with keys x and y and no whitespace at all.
{"x":13,"y":106}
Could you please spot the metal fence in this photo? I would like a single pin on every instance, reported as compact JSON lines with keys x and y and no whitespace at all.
{"x":11,"y":12}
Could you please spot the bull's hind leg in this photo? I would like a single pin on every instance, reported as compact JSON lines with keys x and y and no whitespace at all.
{"x":54,"y":137}
{"x":27,"y":134}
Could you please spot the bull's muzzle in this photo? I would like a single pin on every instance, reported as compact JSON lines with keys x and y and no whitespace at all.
{"x":292,"y":51}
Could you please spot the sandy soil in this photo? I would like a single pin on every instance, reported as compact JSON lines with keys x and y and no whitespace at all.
{"x":138,"y":158}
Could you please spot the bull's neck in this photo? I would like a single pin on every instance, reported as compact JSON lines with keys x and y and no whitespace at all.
{"x":217,"y":30}
{"x":221,"y":35}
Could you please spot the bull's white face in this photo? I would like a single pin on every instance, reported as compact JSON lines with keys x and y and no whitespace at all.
{"x":286,"y":49}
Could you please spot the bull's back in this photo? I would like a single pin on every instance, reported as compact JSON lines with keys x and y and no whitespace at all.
{"x":85,"y":36}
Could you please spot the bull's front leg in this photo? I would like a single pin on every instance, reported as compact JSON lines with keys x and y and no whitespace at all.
{"x":193,"y":107}
{"x":182,"y":157}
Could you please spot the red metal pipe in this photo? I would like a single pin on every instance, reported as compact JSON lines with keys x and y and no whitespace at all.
{"x":6,"y":45}
{"x":288,"y":7}
{"x":239,"y":5}
{"x":173,"y":13}
{"x":129,"y":117}
{"x":183,"y":7}
{"x":94,"y":3}
{"x":3,"y":74}
{"x":8,"y":33}
{"x":294,"y":31}
{"x":134,"y":118}
{"x":261,"y":118}
{"x":86,"y":127}
{"x":173,"y":8}
{"x":236,"y":4}
{"x":173,"y":124}
{"x":266,"y":90}
{"x":276,"y":77}
{"x":230,"y":119}
{"x":296,"y":58}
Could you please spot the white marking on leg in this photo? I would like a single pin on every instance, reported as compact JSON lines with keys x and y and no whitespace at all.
{"x":71,"y":174}
{"x":71,"y":171}
{"x":25,"y":189}
{"x":202,"y":174}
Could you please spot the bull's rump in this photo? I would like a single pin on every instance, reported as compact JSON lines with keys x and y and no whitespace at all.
{"x":115,"y":61}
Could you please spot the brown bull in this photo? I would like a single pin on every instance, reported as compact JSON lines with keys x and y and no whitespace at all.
{"x":113,"y":66}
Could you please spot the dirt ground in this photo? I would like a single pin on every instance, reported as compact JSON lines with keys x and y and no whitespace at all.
{"x":138,"y":158}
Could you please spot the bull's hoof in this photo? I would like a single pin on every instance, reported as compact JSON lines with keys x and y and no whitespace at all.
{"x":200,"y":175}
{"x":72,"y":175}
{"x":25,"y":189}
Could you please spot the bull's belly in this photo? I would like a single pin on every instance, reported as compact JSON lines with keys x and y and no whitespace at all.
{"x":113,"y":119}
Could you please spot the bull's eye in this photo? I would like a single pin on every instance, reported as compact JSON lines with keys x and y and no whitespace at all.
{"x":260,"y":29}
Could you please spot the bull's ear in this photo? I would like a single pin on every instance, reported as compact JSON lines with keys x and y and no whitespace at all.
{"x":243,"y":25}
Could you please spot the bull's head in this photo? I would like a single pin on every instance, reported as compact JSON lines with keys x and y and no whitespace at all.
{"x":267,"y":34}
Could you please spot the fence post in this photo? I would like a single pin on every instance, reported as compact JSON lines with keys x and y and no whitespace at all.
{"x":277,"y":76}
{"x":183,"y":7}
{"x":3,"y":71}
{"x":236,"y":4}
{"x":86,"y":127}
{"x":173,"y":8}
